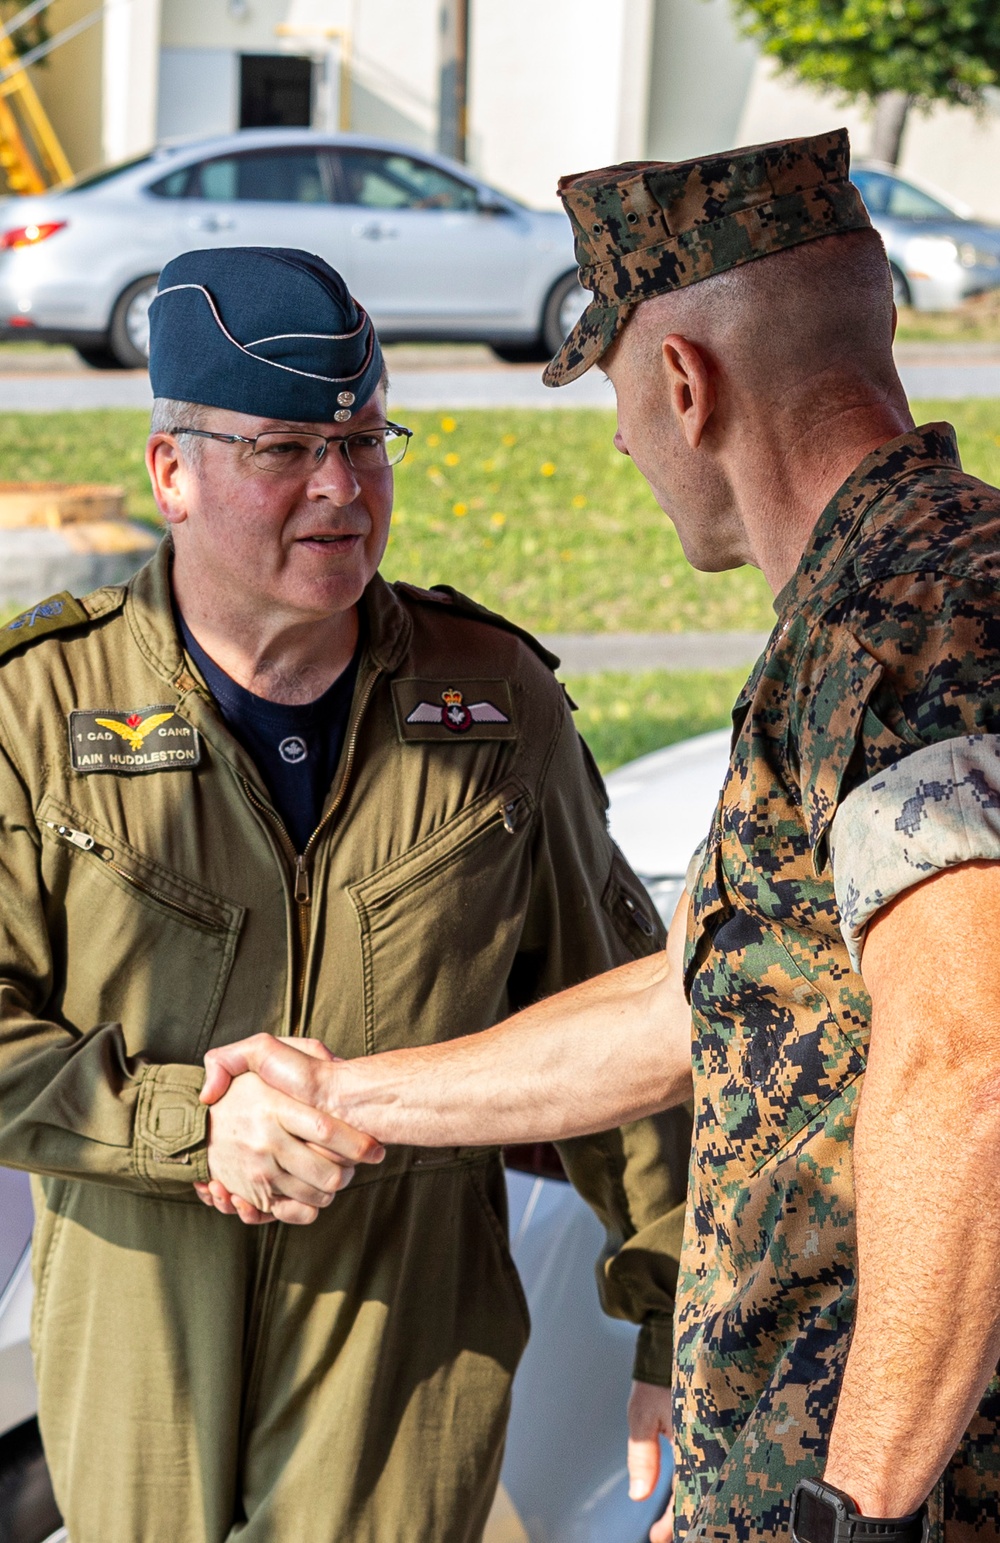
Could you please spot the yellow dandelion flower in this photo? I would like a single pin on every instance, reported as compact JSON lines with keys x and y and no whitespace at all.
{"x":449,"y":425}
{"x":548,"y":468}
{"x":489,"y":466}
{"x":459,"y":509}
{"x":579,"y":501}
{"x":451,"y":459}
{"x":498,"y":519}
{"x":433,"y":440}
{"x":509,"y":439}
{"x":567,"y":555}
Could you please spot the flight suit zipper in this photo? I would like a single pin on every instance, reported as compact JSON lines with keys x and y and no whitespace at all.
{"x":301,"y":862}
{"x":302,"y":896}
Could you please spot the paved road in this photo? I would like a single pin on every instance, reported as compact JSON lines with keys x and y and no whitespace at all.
{"x":588,"y":653}
{"x":454,"y":377}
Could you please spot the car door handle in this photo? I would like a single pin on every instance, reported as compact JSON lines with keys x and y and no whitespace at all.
{"x":376,"y":230}
{"x":211,"y":222}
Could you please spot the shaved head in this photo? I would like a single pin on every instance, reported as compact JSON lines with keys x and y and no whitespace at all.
{"x":794,"y":322}
{"x":740,"y":396}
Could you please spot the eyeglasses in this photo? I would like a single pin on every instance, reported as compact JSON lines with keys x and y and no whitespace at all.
{"x":292,"y":453}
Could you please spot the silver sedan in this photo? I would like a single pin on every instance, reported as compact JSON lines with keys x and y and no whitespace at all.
{"x":939,"y":255}
{"x":432,"y":252}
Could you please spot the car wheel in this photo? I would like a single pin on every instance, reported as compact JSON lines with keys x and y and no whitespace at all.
{"x":521,"y":353}
{"x":28,"y":1511}
{"x":900,"y":288}
{"x":128,"y":336}
{"x":563,"y":309}
{"x":99,"y":358}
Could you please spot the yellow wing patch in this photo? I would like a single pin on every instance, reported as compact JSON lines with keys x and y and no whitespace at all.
{"x":135,"y":736}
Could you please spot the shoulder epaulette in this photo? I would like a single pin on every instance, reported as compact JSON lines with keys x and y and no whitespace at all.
{"x":56,"y":614}
{"x":453,"y":599}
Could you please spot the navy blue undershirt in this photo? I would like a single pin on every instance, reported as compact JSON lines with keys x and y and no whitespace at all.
{"x":294,"y":747}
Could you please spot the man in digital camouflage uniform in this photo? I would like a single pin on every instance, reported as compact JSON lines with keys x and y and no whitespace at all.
{"x":261,"y":787}
{"x":839,"y":1302}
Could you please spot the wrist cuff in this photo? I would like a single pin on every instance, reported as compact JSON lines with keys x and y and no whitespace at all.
{"x":654,"y":1352}
{"x":170,"y":1141}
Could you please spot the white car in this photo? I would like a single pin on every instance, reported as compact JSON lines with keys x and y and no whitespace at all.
{"x":564,"y":1478}
{"x":433,"y":252}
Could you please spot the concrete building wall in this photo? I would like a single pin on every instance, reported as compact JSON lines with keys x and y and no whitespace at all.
{"x":394,"y":68}
{"x":700,"y":74}
{"x":130,"y":76}
{"x":554,"y":88}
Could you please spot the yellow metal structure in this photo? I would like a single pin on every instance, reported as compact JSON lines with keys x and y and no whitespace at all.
{"x":31,"y":157}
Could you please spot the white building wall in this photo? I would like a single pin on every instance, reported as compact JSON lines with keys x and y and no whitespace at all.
{"x":544,"y":100}
{"x":394,"y":51}
{"x":129,"y":77}
{"x":198,"y":93}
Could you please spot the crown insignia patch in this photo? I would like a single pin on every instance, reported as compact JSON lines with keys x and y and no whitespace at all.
{"x":480,"y":709}
{"x":454,"y":714}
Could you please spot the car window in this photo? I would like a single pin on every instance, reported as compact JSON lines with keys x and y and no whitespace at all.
{"x":265,"y":176}
{"x":92,"y":179}
{"x":909,"y":203}
{"x":890,"y":195}
{"x":376,"y":179}
{"x":874,"y":189}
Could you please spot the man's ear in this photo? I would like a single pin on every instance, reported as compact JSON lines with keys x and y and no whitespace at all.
{"x":691,"y":386}
{"x":169,"y":477}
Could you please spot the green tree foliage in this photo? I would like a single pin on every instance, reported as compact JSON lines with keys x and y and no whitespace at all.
{"x":927,"y":50}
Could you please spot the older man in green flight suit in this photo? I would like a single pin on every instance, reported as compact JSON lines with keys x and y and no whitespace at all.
{"x":261,"y":787}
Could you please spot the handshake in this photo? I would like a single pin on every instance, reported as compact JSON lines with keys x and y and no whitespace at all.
{"x":278,"y":1148}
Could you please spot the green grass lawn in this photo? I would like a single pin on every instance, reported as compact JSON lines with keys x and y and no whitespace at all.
{"x":533,"y":513}
{"x":977,"y":321}
{"x":622,"y":716}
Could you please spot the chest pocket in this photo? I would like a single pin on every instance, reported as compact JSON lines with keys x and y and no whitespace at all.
{"x":151,"y":950}
{"x":772,"y":1053}
{"x":444,"y":919}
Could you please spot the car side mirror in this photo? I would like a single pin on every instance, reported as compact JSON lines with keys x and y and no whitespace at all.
{"x":491,"y":203}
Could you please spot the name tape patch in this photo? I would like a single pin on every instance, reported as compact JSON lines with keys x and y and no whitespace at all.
{"x":149,"y":739}
{"x":453,"y":710}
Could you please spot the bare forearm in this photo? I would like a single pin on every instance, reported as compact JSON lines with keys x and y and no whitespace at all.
{"x":927,"y":1335}
{"x":608,"y":1051}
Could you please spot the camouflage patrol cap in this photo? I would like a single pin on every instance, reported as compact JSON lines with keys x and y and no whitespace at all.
{"x":647,"y":227}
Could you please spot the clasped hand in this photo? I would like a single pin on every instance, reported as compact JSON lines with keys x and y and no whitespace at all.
{"x":273,"y":1155}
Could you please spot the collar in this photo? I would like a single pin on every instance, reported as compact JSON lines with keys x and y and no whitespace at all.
{"x":933,"y":445}
{"x":151,"y":620}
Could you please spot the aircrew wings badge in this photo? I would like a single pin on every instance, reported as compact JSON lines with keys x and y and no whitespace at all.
{"x":150,"y":739}
{"x":447,"y":710}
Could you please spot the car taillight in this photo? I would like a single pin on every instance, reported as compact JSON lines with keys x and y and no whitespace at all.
{"x":30,"y":235}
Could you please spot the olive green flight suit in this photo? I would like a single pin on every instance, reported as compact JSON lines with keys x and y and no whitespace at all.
{"x":346,"y":1382}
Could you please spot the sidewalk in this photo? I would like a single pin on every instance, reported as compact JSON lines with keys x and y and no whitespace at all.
{"x":589,"y":653}
{"x":439,"y":377}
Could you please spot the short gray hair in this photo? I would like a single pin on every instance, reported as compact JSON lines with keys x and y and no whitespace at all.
{"x":169,"y":413}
